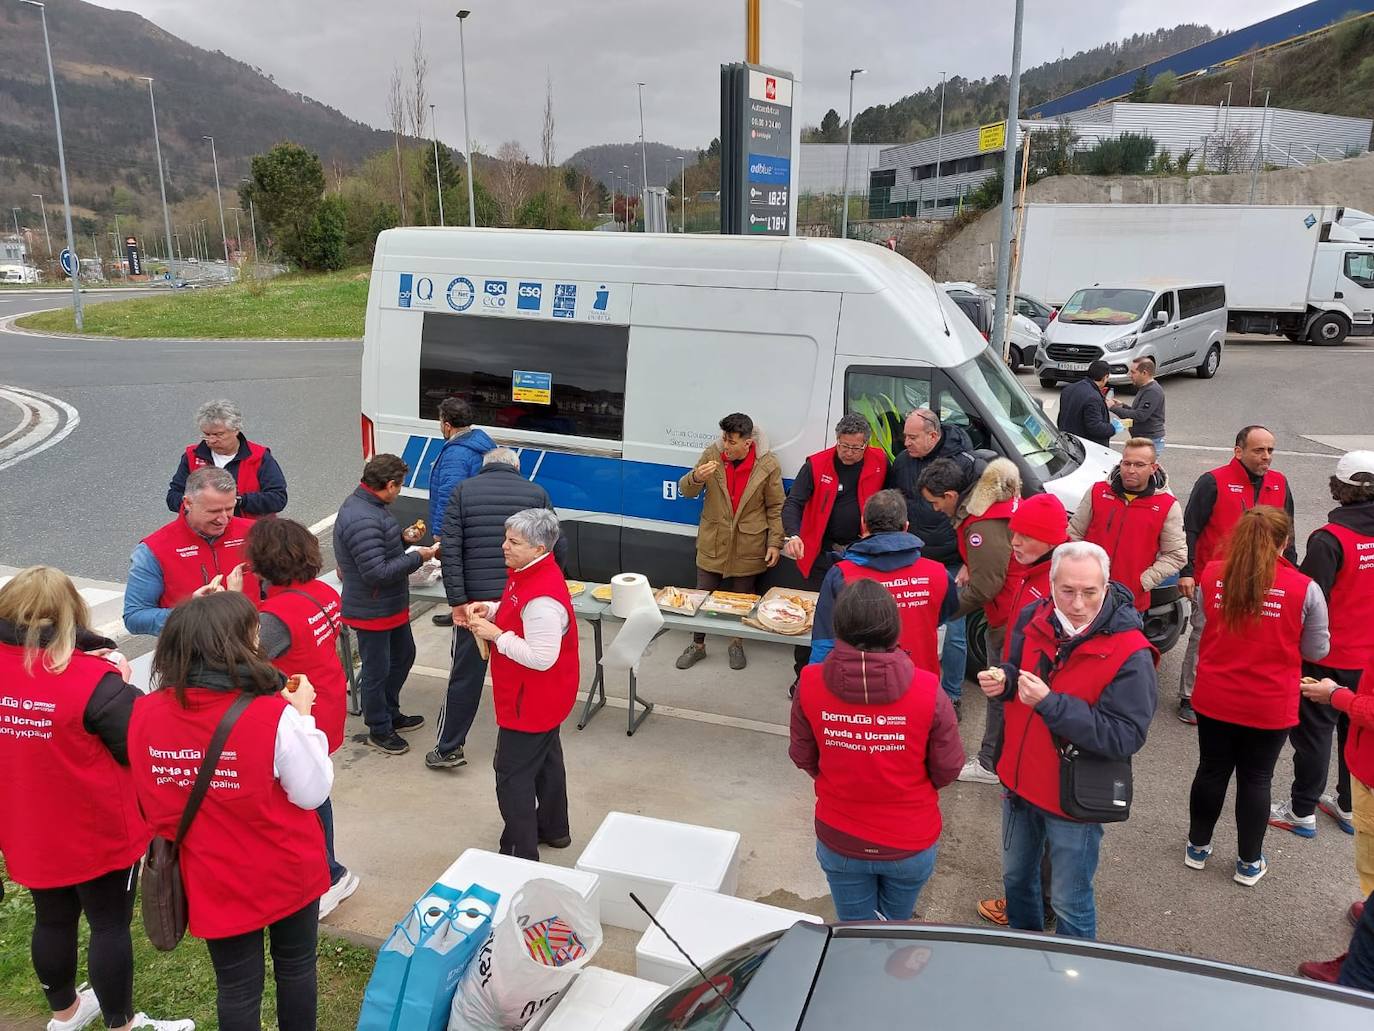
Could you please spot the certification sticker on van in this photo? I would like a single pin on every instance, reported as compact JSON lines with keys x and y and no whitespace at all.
{"x":533,"y":388}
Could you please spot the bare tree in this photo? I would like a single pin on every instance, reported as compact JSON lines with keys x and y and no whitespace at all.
{"x":396,"y":113}
{"x":512,"y":180}
{"x":1231,"y":150}
{"x":546,"y":147}
{"x":588,"y":196}
{"x":417,"y":100}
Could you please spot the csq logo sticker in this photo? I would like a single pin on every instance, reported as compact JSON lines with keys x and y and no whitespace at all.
{"x":529,"y":296}
{"x":494,"y":293}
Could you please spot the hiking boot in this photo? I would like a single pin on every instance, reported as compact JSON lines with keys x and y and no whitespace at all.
{"x":691,"y":655}
{"x":1186,"y":713}
{"x":437,"y":760}
{"x":390,"y":744}
{"x":338,"y":891}
{"x":1249,"y":874}
{"x":1323,"y":970}
{"x":1355,"y":913}
{"x":1195,"y":857}
{"x":1344,"y":818}
{"x":974,"y":773}
{"x":405,"y":724}
{"x":737,"y":659}
{"x":994,"y":911}
{"x":1281,"y":815}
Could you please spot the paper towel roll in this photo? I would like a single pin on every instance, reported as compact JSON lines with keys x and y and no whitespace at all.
{"x":630,"y":591}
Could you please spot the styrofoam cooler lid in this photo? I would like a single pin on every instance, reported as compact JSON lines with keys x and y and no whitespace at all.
{"x":707,"y":924}
{"x":507,"y":874}
{"x":660,"y":850}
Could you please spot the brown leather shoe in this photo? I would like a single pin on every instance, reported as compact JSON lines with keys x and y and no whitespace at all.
{"x":691,"y":655}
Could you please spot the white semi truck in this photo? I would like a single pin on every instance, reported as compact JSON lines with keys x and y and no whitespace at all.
{"x":1288,"y":269}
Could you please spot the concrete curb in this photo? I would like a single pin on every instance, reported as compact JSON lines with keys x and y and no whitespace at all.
{"x":7,"y":325}
{"x":359,"y":938}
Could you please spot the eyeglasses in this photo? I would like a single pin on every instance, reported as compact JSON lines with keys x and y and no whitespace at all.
{"x":852,"y":448}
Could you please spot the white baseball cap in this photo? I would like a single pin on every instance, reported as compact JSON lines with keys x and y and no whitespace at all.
{"x":1356,"y":468}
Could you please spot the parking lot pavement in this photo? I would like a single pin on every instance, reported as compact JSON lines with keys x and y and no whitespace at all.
{"x":400,"y":824}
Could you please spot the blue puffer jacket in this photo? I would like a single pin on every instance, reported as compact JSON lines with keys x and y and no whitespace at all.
{"x":458,"y":459}
{"x":372,"y":558}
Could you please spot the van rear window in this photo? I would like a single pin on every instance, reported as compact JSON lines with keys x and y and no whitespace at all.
{"x":526,"y":374}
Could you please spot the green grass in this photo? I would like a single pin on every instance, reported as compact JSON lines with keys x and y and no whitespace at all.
{"x":331,"y":305}
{"x":180,"y":983}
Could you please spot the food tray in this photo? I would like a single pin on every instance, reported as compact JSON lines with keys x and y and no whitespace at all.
{"x":805,"y":600}
{"x":680,"y":600}
{"x":575,"y":587}
{"x":602,"y":592}
{"x":728,"y":605}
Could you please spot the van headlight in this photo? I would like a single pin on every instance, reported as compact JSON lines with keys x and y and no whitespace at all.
{"x":1121,"y":344}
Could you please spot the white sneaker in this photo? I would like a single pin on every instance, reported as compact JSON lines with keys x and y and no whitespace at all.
{"x":87,"y":1009}
{"x":1332,"y":808}
{"x":142,"y":1020}
{"x":1281,"y":815}
{"x":974,"y":773}
{"x":346,"y":886}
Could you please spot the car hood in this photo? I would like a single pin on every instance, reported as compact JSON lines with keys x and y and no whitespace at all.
{"x":1061,"y":332}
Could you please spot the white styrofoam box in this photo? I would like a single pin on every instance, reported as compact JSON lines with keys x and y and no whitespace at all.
{"x":599,"y":1000}
{"x":707,"y":925}
{"x":648,"y":856}
{"x":507,"y":874}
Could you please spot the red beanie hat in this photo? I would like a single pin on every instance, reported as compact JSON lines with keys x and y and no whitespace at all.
{"x":1041,"y":516}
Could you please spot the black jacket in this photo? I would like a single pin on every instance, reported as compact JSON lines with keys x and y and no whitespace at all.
{"x":474,"y":527}
{"x":935,"y":530}
{"x":268,"y":498}
{"x":1083,"y":412}
{"x":373,"y":562}
{"x":1203,"y":498}
{"x":1146,"y":413}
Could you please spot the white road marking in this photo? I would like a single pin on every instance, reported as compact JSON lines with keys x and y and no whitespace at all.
{"x":325,"y":524}
{"x":49,"y":431}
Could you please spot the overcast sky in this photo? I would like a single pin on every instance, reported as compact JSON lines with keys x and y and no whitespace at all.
{"x":341,"y":52}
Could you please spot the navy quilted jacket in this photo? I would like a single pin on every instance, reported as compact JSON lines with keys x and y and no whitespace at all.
{"x":372,"y":558}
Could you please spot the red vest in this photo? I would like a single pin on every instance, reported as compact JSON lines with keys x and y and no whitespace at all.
{"x":873,"y":782}
{"x":529,"y":699}
{"x":1032,"y":584}
{"x":1128,"y":531}
{"x":251,"y":856}
{"x":816,"y":515}
{"x":67,"y":809}
{"x":314,"y":626}
{"x":919,"y":590}
{"x":1351,"y":605}
{"x":1029,"y":764}
{"x":1359,"y":746}
{"x":189,"y":562}
{"x":245,"y":473}
{"x":1235,"y":495}
{"x":1251,"y":676}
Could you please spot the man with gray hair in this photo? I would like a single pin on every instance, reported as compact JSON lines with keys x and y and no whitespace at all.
{"x":472,"y":534}
{"x":200,"y":551}
{"x":261,"y":486}
{"x":1079,"y":672}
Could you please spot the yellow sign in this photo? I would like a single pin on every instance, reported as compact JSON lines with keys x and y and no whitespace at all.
{"x":534,"y":388}
{"x":992,"y":137}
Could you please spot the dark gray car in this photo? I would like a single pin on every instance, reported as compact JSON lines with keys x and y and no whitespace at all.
{"x":1034,"y":309}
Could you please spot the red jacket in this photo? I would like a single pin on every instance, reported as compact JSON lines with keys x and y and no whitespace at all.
{"x":1128,"y":531}
{"x":817,"y":514}
{"x":189,"y":562}
{"x":1032,"y":584}
{"x":528,"y":699}
{"x":1235,"y":496}
{"x":67,"y":808}
{"x":919,"y":590}
{"x":1251,"y":676}
{"x":251,"y":856}
{"x":311,"y":614}
{"x":246,"y":475}
{"x":1359,"y":747}
{"x":1351,"y":605}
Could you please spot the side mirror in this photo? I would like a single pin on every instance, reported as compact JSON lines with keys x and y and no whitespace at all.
{"x":1161,"y":318}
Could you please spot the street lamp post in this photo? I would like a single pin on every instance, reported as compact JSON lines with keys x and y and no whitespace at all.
{"x":223,"y":235}
{"x":1000,"y":312}
{"x":119,"y":246}
{"x":44,"y":209}
{"x":628,"y":180}
{"x":939,"y":142}
{"x":467,"y":133}
{"x":643,"y":162}
{"x":683,"y":188}
{"x":1259,"y":150}
{"x":62,"y":165}
{"x":238,"y":228}
{"x":16,"y":222}
{"x":161,"y":179}
{"x":848,"y":140}
{"x":252,"y":219}
{"x":438,"y":183}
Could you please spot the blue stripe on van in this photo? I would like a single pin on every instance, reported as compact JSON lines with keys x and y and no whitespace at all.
{"x":415,"y":449}
{"x":431,"y":455}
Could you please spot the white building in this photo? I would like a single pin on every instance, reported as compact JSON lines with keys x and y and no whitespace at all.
{"x":820,"y":169}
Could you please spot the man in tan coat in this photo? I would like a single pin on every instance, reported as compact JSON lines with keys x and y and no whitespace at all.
{"x":740,"y":534}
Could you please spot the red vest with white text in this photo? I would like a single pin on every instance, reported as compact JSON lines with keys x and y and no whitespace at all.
{"x":312,"y":618}
{"x":189,"y":561}
{"x":1351,"y":605}
{"x":826,"y":489}
{"x":1235,"y":496}
{"x":1032,"y":585}
{"x":1128,"y":531}
{"x":919,"y":590}
{"x":245,"y":473}
{"x":529,"y":699}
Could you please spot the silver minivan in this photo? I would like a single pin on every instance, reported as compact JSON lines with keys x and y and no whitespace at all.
{"x":1181,"y":325}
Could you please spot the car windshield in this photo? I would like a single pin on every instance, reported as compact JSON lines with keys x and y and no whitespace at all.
{"x":695,"y":1004}
{"x":1106,"y":307}
{"x":1022,"y":424}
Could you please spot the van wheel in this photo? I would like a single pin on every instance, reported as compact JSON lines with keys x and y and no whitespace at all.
{"x":1048,"y":382}
{"x":1210,"y":364}
{"x":1328,"y":330}
{"x":1294,"y":337}
{"x":1013,"y":357}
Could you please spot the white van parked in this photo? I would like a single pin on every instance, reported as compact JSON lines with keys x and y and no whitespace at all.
{"x":1181,"y":325}
{"x":608,"y":358}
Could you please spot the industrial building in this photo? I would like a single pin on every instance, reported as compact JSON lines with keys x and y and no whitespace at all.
{"x":820,"y":169}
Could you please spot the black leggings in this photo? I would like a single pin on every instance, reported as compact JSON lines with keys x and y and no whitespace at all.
{"x":108,"y":902}
{"x":239,"y":976}
{"x":1249,"y":753}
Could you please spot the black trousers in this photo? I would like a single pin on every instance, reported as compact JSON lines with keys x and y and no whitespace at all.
{"x":239,"y":976}
{"x":108,"y":902}
{"x":465,"y":677}
{"x":1311,"y":740}
{"x":387,"y":656}
{"x":531,"y":790}
{"x":1251,"y":754}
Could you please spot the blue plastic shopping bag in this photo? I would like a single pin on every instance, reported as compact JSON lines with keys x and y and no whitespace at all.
{"x":441,"y":958}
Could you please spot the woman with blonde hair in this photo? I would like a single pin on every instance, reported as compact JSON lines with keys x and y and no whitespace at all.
{"x":1263,"y":618}
{"x":70,"y":828}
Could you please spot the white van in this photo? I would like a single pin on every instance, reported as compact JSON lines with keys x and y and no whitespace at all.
{"x":1181,"y":325}
{"x":607,"y":359}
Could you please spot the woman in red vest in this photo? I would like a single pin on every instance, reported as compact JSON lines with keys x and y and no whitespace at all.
{"x":261,"y":483}
{"x":300,"y":634}
{"x":64,"y":751}
{"x":1262,"y":618}
{"x":879,"y":738}
{"x":253,"y":858}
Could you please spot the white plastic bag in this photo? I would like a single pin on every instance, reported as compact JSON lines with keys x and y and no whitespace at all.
{"x":505,"y":987}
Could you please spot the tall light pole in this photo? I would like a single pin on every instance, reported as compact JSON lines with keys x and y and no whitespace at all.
{"x":683,"y":189}
{"x":438,"y":183}
{"x":161,"y":180}
{"x":628,"y":181}
{"x":62,"y":164}
{"x":44,"y":209}
{"x":119,"y":245}
{"x":252,"y":219}
{"x":939,"y":142}
{"x":238,"y":228}
{"x":467,"y":133}
{"x":223,"y":235}
{"x":1000,"y":316}
{"x":16,"y":222}
{"x":848,"y":140}
{"x":1259,"y":150}
{"x":643,"y":162}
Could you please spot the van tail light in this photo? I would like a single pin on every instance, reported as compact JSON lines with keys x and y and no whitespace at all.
{"x":369,"y":443}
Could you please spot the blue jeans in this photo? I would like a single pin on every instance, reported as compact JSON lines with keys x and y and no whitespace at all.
{"x":1026,"y":832}
{"x":864,"y":889}
{"x":1159,"y":446}
{"x":954,"y":656}
{"x":326,"y":814}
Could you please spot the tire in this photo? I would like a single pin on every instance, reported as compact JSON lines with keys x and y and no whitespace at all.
{"x":1296,"y":338}
{"x":1328,"y":330}
{"x":1048,"y":382}
{"x":976,"y":625}
{"x":1210,"y":364}
{"x":1014,"y":360}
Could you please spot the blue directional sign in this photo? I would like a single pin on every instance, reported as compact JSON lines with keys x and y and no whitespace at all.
{"x":68,"y":262}
{"x":167,"y":276}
